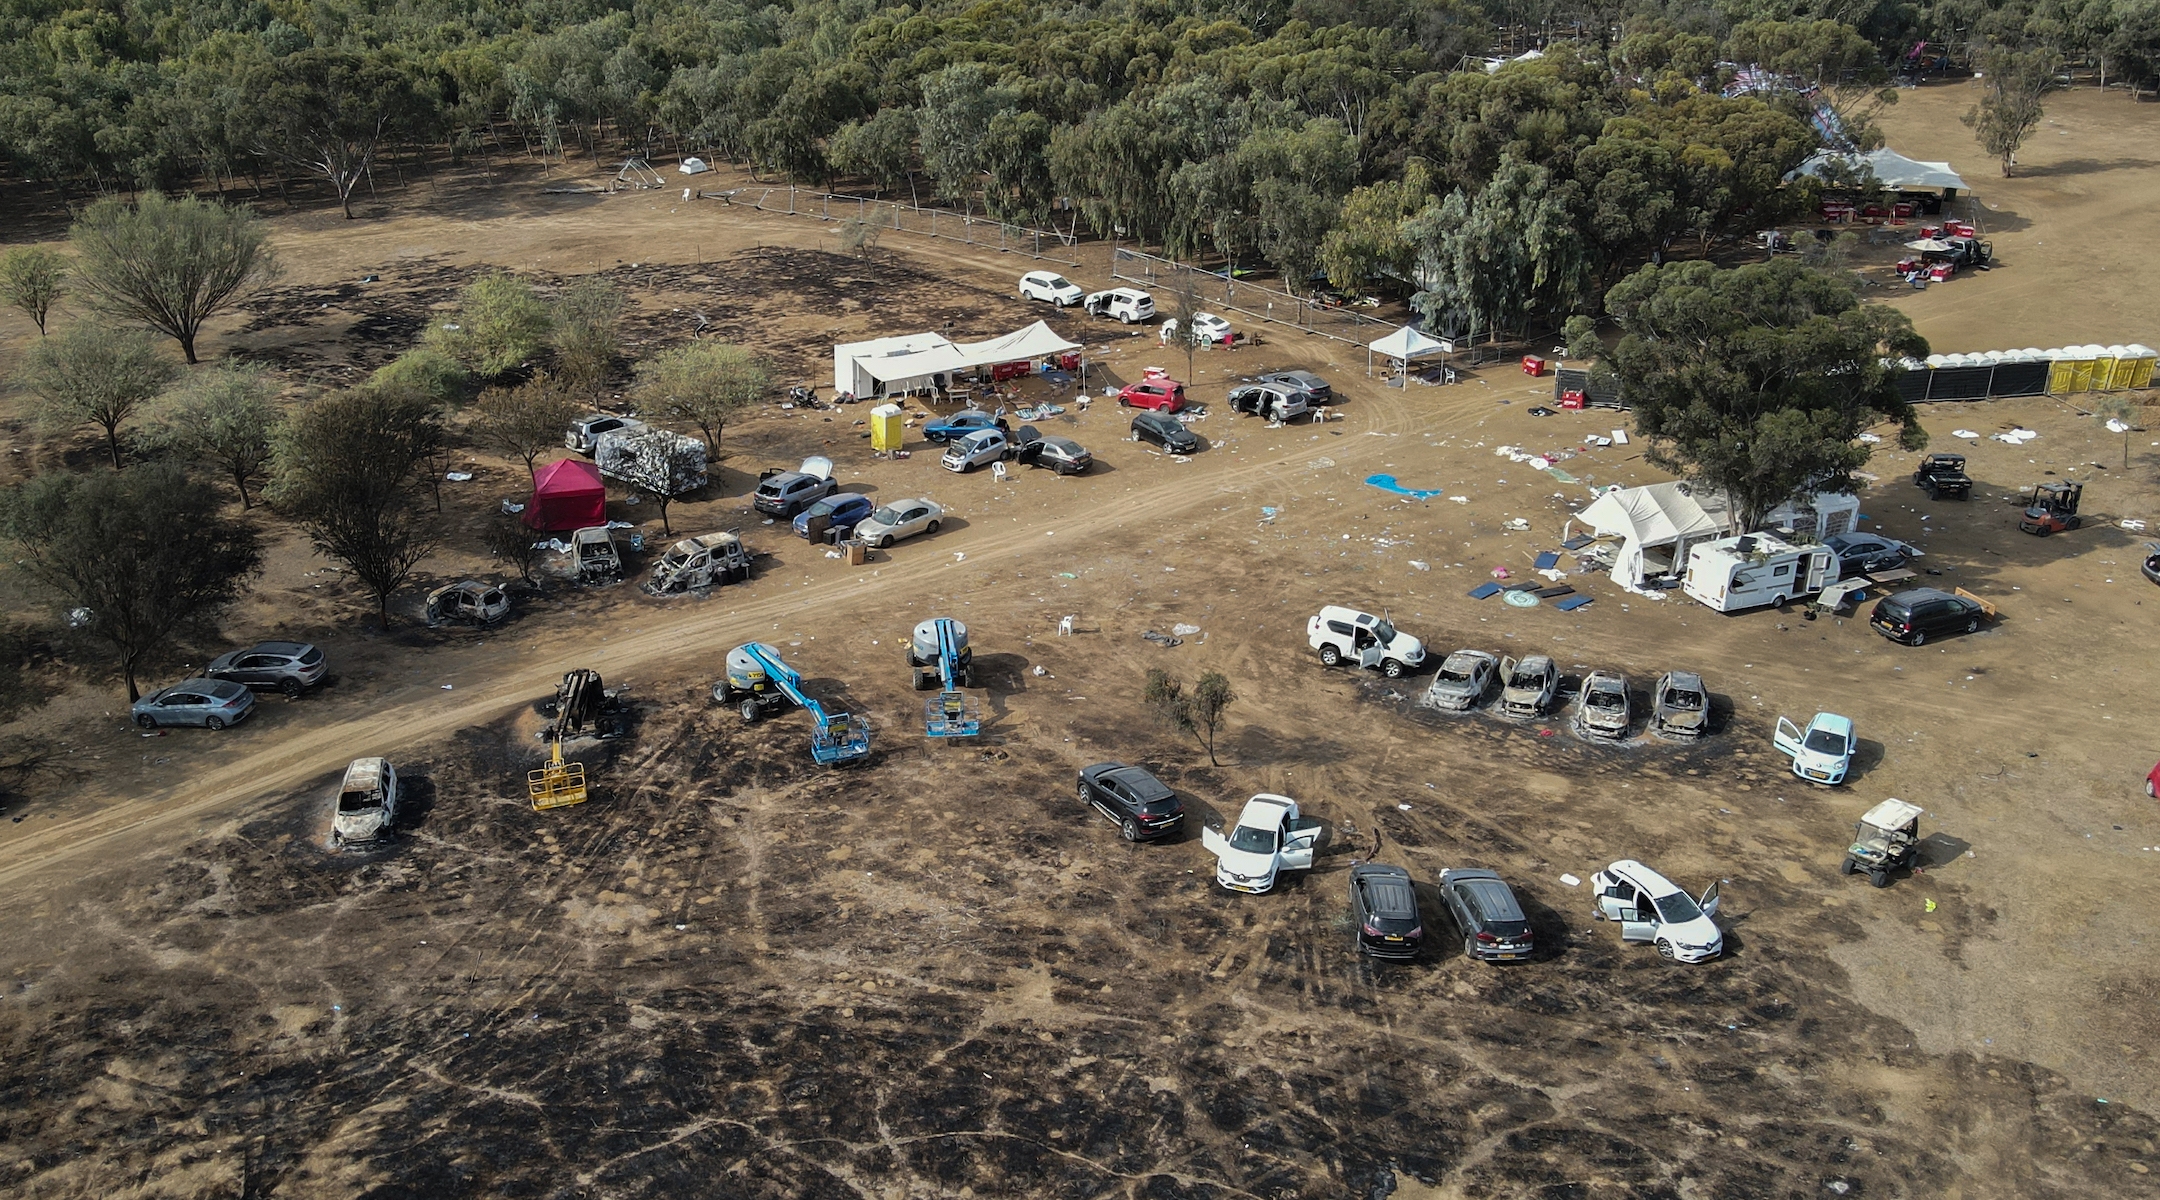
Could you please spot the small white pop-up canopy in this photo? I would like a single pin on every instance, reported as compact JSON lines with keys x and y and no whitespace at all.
{"x":1406,"y":344}
{"x":892,"y":365}
{"x":1655,"y":526}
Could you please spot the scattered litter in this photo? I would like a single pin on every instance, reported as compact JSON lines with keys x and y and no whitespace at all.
{"x":1039,"y":672}
{"x":459,"y":477}
{"x":1161,"y":639}
{"x":1519,"y":524}
{"x":1484,"y":590}
{"x":1619,"y":437}
{"x":1930,"y":906}
{"x":1570,"y":880}
{"x":446,"y":687}
{"x":512,"y":507}
{"x":1184,"y":630}
{"x":959,"y":556}
{"x":1541,"y":411}
{"x":79,"y":617}
{"x":2015,"y":437}
{"x":1320,"y":464}
{"x":1549,"y":558}
{"x":1870,"y":439}
{"x":834,"y":554}
{"x":1965,"y":433}
{"x":2116,"y":425}
{"x":1500,"y":573}
{"x":1420,"y":566}
{"x":1518,"y":598}
{"x":1386,"y":483}
{"x":1267,"y":512}
{"x":1460,"y":499}
{"x":2134,"y":526}
{"x":1544,"y":733}
{"x":1067,"y":575}
{"x":1404,"y":807}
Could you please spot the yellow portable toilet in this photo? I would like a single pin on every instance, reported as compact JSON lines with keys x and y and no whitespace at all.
{"x":887,"y":427}
{"x":2119,"y":365}
{"x":2081,"y":367}
{"x":2141,"y":360}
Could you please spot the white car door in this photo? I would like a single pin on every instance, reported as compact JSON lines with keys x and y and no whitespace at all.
{"x":1301,"y":836}
{"x":1213,"y":841}
{"x":1787,"y":738}
{"x":1638,"y":920}
{"x":1710,"y":901}
{"x":1370,"y":656}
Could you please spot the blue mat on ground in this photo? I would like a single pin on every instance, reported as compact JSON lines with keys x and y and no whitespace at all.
{"x":1572,"y":603}
{"x":1484,"y":590}
{"x":1548,"y":560}
{"x":1386,"y":483}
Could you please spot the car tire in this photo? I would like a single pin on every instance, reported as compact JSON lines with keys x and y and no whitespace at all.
{"x":213,"y":724}
{"x":885,"y":543}
{"x":749,"y":711}
{"x":932,"y":527}
{"x":1880,"y":879}
{"x":1125,"y":319}
{"x":1665,"y":950}
{"x":1080,"y":793}
{"x":1130,"y":828}
{"x":924,"y":680}
{"x":1972,"y":624}
{"x":1848,"y":866}
{"x":1779,"y":602}
{"x":1391,"y":669}
{"x":292,"y":688}
{"x":146,"y":721}
{"x":1329,"y":656}
{"x":1918,"y":639}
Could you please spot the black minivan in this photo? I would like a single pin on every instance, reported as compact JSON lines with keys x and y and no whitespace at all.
{"x":1915,"y":616}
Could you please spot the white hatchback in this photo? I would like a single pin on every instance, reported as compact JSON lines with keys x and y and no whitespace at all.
{"x":1210,"y":327}
{"x":1651,"y":908}
{"x":1049,"y":287}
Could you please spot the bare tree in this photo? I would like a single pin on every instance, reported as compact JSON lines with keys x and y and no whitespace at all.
{"x":704,"y":384}
{"x":509,"y":540}
{"x":859,"y":236}
{"x":344,"y":468}
{"x":1199,"y":712}
{"x":33,"y":278}
{"x":170,"y":263}
{"x":224,"y":416}
{"x":525,"y":421}
{"x":144,"y":551}
{"x":87,"y":375}
{"x":1184,"y":332}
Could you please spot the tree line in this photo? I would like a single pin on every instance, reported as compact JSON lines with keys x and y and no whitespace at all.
{"x":143,"y":550}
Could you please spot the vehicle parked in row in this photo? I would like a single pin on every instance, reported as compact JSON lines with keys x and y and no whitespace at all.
{"x":367,"y":803}
{"x":469,"y":602}
{"x":708,"y":560}
{"x":1911,"y":618}
{"x":1129,"y":305}
{"x":1314,"y":389}
{"x":1943,"y":475}
{"x":1060,"y":454}
{"x":1140,"y":805}
{"x":1372,"y":642}
{"x":290,"y":667}
{"x":1823,"y":752}
{"x":1651,"y":908}
{"x":584,"y":433}
{"x":1886,"y":839}
{"x":1270,"y":837}
{"x":1680,"y":705}
{"x":1492,"y":921}
{"x":1602,"y":709}
{"x":832,"y":518}
{"x":1383,"y":905}
{"x":898,"y":521}
{"x":1050,"y":287}
{"x":1165,"y":431}
{"x":1528,"y":686}
{"x":1268,"y":402}
{"x":1867,"y":553}
{"x":782,"y":494}
{"x":1212,"y":328}
{"x":1463,"y":679}
{"x":958,"y":425}
{"x":1161,"y":395}
{"x":980,"y":448}
{"x":210,"y":703}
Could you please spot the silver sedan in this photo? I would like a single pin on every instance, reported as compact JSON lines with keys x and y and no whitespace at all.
{"x":898,"y":520}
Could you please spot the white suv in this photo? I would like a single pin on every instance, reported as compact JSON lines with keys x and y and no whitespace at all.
{"x":1049,"y":286}
{"x":1651,"y":908}
{"x":974,"y":450}
{"x":1126,"y":304}
{"x":1346,"y":634}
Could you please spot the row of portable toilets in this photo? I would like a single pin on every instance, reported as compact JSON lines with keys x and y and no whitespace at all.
{"x":2029,"y":372}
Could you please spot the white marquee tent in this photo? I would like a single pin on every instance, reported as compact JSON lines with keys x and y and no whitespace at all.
{"x":1894,"y":171}
{"x":894,"y":365}
{"x":1655,"y":525}
{"x":1404,"y":345}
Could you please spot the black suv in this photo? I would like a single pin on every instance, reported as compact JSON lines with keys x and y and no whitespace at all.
{"x":1493,"y":926}
{"x":1384,"y":903}
{"x":1165,"y":430}
{"x":1915,"y":616}
{"x":1140,"y":805}
{"x":290,"y":667}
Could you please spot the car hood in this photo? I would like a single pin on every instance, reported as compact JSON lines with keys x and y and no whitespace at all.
{"x":1702,"y":931}
{"x":1682,"y":718}
{"x":1453,"y":687}
{"x":360,"y":826}
{"x":1821,"y":761}
{"x":1246,"y":863}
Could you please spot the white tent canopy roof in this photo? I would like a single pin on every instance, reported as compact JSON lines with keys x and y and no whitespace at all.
{"x":1892,"y":169}
{"x":1407,"y":343}
{"x":912,"y":359}
{"x":1655,"y":515}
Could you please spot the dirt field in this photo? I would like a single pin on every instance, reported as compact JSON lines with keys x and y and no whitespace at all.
{"x":735,"y":974}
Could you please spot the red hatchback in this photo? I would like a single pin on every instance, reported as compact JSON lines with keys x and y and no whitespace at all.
{"x":1163,"y":395}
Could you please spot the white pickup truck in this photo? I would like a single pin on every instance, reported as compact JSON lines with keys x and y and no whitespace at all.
{"x":1270,"y":837}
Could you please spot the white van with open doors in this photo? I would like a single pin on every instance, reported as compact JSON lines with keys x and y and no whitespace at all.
{"x":1755,"y":569}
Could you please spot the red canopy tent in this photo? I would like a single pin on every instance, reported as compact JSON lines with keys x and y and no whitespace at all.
{"x":567,"y":495}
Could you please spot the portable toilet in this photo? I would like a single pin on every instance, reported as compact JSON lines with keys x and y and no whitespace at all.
{"x":2058,"y":371}
{"x":2142,"y":360}
{"x":2120,"y":366}
{"x":887,"y":427}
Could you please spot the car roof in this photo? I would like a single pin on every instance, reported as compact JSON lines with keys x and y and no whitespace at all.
{"x":1388,"y":890}
{"x":294,"y":649}
{"x":1066,"y":444}
{"x":1605,"y":679}
{"x":1832,"y":722}
{"x":1302,"y":376}
{"x":1266,"y":809}
{"x":1686,"y":681}
{"x":1157,"y":418}
{"x":1495,"y":899}
{"x":363,"y":770}
{"x":983,"y":435}
{"x":1643,"y":877}
{"x":1467,"y":657}
{"x":1338,"y":612}
{"x":1143,"y":784}
{"x":1916,"y":595}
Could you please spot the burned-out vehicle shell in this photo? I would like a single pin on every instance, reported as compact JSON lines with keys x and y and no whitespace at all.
{"x":1462,"y":681}
{"x":1680,"y":705}
{"x":470,"y":602}
{"x":593,"y":552}
{"x":700,"y":562}
{"x":1603,"y":709}
{"x":1528,"y":685}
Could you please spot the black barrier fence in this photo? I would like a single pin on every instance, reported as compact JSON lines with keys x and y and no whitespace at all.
{"x":1973,"y":383}
{"x":1604,"y":394}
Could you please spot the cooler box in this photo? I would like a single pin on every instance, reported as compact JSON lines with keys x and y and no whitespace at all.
{"x":1012,"y":370}
{"x":887,"y":427}
{"x":1069,"y":361}
{"x":1960,"y":229}
{"x":1571,"y":399}
{"x":1533,"y":366}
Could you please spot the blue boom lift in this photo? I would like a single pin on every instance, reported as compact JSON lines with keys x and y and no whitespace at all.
{"x":939,"y":654}
{"x":759,"y":681}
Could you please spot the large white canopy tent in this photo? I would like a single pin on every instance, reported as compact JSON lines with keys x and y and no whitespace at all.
{"x":1655,"y":526}
{"x":895,"y":365}
{"x":1405,"y":345}
{"x":1893,"y":171}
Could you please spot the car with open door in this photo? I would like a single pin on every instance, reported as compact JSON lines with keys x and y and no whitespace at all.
{"x":1362,"y":639}
{"x":958,"y":425}
{"x":1821,"y":753}
{"x":1131,"y":798}
{"x":1528,"y":685}
{"x":1060,"y":454}
{"x":1270,"y":837}
{"x":469,"y":602}
{"x":1651,"y":908}
{"x":1315,"y":389}
{"x":782,"y":494}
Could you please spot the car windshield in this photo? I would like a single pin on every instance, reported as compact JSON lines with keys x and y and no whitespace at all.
{"x":1452,"y":674}
{"x":887,"y":515}
{"x":1252,"y":840}
{"x":1677,"y":908}
{"x":1686,"y":700}
{"x":1385,"y":631}
{"x":358,"y":801}
{"x":1823,"y":741}
{"x":1603,"y":699}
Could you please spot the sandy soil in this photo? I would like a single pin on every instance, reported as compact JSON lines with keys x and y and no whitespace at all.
{"x":733,"y":973}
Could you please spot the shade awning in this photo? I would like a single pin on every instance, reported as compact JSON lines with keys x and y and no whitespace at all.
{"x":1891,"y":169}
{"x":1407,"y":343}
{"x":1655,"y":515}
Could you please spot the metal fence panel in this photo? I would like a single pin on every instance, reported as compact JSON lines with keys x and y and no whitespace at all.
{"x":1050,"y":245}
{"x":1216,"y":291}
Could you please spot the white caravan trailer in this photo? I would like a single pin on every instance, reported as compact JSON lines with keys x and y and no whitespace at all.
{"x":1755,"y":569}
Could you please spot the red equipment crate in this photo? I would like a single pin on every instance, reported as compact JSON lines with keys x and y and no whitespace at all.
{"x":1012,"y":370}
{"x":1069,"y":361}
{"x":1532,"y":365}
{"x":1571,"y":399}
{"x":1959,"y":229}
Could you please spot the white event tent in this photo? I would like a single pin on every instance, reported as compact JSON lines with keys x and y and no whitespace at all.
{"x":1404,"y":345}
{"x":1655,"y":526}
{"x":897,"y":365}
